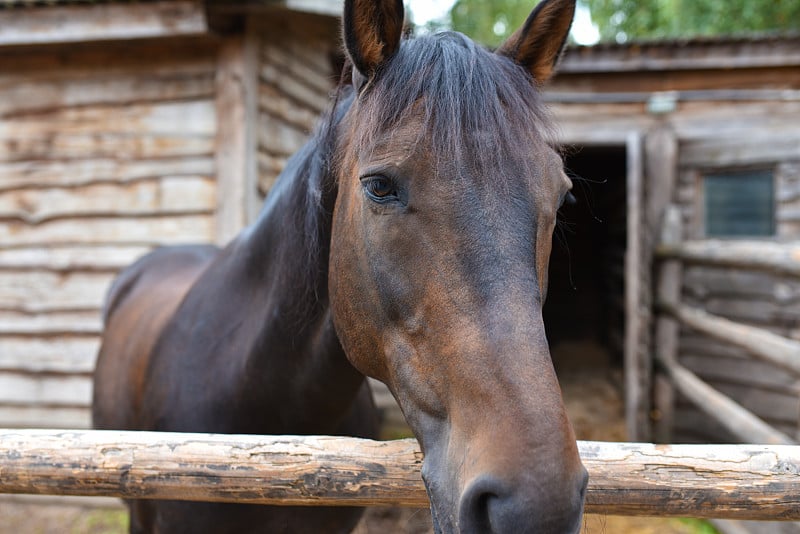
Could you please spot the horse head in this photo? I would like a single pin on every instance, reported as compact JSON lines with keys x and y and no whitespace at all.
{"x":448,"y":188}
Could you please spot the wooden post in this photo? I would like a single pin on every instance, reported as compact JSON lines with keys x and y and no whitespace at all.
{"x":237,"y":97}
{"x":731,"y":481}
{"x":670,"y":277}
{"x":636,"y":360}
{"x":661,"y":175}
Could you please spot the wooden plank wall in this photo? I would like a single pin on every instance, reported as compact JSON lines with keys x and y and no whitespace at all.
{"x":105,"y":152}
{"x":760,"y":299}
{"x":297,"y":76}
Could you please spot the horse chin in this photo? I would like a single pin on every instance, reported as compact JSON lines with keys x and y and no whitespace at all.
{"x":437,"y":528}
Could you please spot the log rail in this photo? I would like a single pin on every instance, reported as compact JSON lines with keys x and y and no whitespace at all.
{"x":731,"y":481}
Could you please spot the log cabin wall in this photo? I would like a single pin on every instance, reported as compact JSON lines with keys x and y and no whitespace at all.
{"x":299,"y":64}
{"x":766,"y":300}
{"x":701,"y":107}
{"x":105,"y":152}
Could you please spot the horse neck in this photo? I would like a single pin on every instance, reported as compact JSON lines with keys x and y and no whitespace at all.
{"x":286,"y":252}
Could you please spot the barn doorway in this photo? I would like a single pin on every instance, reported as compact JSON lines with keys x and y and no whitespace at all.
{"x":585,"y":311}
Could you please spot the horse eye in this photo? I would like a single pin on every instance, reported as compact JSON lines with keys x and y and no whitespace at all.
{"x":568,"y":199}
{"x":380,"y":188}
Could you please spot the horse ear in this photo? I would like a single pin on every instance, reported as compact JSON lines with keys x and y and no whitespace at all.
{"x":537,"y":45}
{"x":372,"y":32}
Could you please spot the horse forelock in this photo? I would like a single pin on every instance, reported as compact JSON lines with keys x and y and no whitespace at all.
{"x":469,"y":103}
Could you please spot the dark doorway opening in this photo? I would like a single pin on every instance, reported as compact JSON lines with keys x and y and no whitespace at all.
{"x":584,"y":313}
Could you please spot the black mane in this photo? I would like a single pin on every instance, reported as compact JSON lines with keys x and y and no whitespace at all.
{"x":474,"y":100}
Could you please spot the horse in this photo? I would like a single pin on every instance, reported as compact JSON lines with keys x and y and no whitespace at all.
{"x":408,"y":241}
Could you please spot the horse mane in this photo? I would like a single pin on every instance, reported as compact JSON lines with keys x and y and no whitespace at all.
{"x":473,"y":100}
{"x":308,"y":183}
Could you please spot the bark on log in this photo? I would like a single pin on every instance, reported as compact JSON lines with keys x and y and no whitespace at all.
{"x":731,"y":481}
{"x":778,"y":258}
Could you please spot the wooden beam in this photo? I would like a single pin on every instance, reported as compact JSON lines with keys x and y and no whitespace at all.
{"x":327,"y":8}
{"x":769,"y":256}
{"x":693,"y":54}
{"x":735,"y":418}
{"x":732,"y":481}
{"x":759,"y":342}
{"x":101,"y":22}
{"x":661,"y":175}
{"x":237,"y":110}
{"x":557,"y":96}
{"x":330,"y":8}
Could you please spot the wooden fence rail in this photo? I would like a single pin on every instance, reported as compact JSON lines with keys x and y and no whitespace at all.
{"x":774,"y":257}
{"x":739,"y":421}
{"x":761,"y":343}
{"x":730,"y":481}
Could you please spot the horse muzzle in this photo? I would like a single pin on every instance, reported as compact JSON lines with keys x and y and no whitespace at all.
{"x":488,"y":504}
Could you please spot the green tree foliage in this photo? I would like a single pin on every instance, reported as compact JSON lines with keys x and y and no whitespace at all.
{"x":635,"y":19}
{"x":491,"y":21}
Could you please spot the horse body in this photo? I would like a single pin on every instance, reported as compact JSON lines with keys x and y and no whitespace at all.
{"x":219,"y":342}
{"x":409,"y":241}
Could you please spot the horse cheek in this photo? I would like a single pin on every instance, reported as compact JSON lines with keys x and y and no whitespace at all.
{"x":353,"y":314}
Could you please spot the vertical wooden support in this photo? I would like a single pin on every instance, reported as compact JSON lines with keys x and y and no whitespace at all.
{"x":670,"y":276}
{"x":237,"y":107}
{"x":637,"y":404}
{"x":661,"y":177}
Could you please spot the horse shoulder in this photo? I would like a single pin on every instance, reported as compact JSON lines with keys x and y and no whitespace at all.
{"x":140,"y":303}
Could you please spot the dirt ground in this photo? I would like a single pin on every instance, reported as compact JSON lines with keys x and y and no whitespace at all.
{"x":19,"y":518}
{"x":593,"y":395}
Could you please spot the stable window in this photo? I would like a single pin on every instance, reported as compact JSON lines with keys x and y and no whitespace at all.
{"x":739,"y":204}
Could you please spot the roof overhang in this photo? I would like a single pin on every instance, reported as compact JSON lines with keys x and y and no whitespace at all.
{"x":64,"y":22}
{"x":690,"y":54}
{"x":36,"y":22}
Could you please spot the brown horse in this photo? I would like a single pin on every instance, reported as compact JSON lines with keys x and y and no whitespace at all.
{"x":408,"y":241}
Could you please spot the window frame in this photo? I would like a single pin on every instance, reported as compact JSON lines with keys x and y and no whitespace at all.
{"x":701,"y":204}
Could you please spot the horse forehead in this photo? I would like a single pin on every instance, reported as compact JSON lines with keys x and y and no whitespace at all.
{"x":469,"y":154}
{"x":397,"y":145}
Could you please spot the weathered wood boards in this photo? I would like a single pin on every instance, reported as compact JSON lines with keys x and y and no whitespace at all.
{"x":746,"y":482}
{"x":76,"y":23}
{"x":106,"y":151}
{"x":747,"y":400}
{"x":296,"y":79}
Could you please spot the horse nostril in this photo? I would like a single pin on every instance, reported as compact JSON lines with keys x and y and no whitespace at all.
{"x":477,"y":505}
{"x":491,"y":506}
